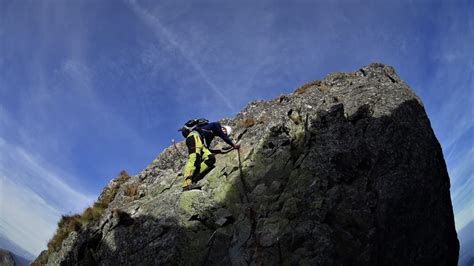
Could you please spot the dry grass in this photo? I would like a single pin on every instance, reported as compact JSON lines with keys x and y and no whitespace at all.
{"x":131,"y":190}
{"x":308,"y":86}
{"x":68,"y":224}
{"x":92,"y":214}
{"x":246,"y":123}
{"x":42,"y":259}
{"x":122,"y":177}
{"x":109,"y":195}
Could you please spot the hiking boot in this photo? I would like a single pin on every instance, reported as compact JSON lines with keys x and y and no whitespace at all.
{"x":191,"y":187}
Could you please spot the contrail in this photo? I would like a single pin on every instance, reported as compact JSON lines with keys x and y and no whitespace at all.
{"x":160,"y":30}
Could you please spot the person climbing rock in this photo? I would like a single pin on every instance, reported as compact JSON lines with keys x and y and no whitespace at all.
{"x":199,"y":135}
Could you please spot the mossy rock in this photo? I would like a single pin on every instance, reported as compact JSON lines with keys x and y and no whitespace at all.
{"x":226,"y":192}
{"x":213,"y":179}
{"x":195,"y":202}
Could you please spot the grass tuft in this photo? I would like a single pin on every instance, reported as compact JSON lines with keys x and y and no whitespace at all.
{"x":246,"y":123}
{"x":68,"y":224}
{"x":131,"y":190}
{"x":308,"y":86}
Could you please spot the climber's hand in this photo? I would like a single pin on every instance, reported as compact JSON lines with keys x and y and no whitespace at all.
{"x":236,"y":146}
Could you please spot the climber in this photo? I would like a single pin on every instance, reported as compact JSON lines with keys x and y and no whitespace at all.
{"x":201,"y":159}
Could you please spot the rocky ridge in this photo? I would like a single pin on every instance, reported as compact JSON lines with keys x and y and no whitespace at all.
{"x":8,"y":258}
{"x":346,"y":170}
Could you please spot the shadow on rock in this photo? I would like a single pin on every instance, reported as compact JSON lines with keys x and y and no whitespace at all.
{"x":350,"y":190}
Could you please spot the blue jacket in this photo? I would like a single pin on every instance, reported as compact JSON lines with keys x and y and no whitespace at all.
{"x":209,"y":131}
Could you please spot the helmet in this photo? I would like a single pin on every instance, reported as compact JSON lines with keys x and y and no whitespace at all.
{"x":227,"y":130}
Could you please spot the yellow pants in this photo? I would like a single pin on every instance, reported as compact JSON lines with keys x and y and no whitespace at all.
{"x":200,"y":160}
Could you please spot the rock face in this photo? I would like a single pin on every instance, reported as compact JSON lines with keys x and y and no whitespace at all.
{"x":6,"y":258}
{"x":344,"y":171}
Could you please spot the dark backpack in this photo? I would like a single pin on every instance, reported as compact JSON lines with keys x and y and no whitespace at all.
{"x":193,"y":123}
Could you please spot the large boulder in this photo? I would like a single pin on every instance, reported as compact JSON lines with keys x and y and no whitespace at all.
{"x":344,"y":171}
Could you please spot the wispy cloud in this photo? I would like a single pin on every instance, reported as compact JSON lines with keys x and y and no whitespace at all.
{"x":451,"y":82}
{"x":26,"y":218}
{"x":163,"y":33}
{"x":57,"y":106}
{"x":32,"y":198}
{"x":462,"y":193}
{"x":464,"y":198}
{"x":449,"y":92}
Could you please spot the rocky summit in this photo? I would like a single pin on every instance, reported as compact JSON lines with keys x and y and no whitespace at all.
{"x":343,"y":171}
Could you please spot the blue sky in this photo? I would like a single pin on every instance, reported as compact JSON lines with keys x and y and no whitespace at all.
{"x":88,"y":88}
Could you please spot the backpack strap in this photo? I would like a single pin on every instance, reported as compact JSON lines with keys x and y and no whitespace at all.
{"x":199,"y":131}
